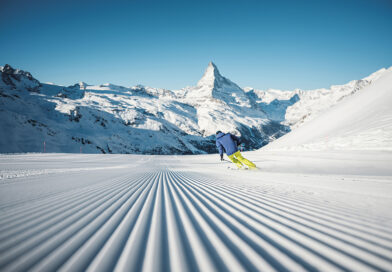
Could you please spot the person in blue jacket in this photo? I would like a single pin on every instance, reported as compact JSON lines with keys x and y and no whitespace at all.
{"x":228,"y":142}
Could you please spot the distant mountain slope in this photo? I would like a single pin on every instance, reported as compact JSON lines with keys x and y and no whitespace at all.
{"x":362,"y":121}
{"x":113,"y":119}
{"x":294,"y":108}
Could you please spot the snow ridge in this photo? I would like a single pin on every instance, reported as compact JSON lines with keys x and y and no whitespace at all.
{"x":211,"y":77}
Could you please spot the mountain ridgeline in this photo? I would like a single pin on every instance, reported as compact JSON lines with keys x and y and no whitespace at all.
{"x":37,"y":117}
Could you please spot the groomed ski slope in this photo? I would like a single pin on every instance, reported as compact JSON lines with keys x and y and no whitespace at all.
{"x":303,"y":211}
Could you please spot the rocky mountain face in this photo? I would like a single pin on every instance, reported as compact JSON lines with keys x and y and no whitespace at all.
{"x":114,"y":119}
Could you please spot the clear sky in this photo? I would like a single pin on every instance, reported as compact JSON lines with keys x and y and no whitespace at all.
{"x":168,"y":44}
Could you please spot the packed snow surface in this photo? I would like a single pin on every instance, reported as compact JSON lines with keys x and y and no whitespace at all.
{"x":302,"y":211}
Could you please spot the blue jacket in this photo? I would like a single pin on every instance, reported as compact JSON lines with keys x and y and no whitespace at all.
{"x":227,"y":142}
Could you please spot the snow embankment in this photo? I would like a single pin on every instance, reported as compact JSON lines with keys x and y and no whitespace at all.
{"x":360,"y":122}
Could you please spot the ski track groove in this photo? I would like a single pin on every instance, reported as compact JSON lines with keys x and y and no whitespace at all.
{"x":91,"y":238}
{"x":315,"y":210}
{"x":115,"y":237}
{"x":308,"y":231}
{"x":53,"y":198}
{"x":62,"y":229}
{"x":166,"y":220}
{"x":264,"y":203}
{"x":43,"y":222}
{"x":64,"y":203}
{"x":346,"y":213}
{"x":275,"y":238}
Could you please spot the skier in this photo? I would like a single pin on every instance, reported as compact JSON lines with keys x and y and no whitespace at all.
{"x":228,"y":143}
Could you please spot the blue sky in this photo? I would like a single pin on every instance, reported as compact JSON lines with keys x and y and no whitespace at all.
{"x":168,"y":44}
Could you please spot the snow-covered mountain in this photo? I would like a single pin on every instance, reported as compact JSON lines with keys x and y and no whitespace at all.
{"x":214,"y":85}
{"x":294,"y":108}
{"x":114,"y":119}
{"x":363,"y":121}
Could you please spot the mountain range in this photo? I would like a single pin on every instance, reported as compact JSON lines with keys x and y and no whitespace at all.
{"x":107,"y":118}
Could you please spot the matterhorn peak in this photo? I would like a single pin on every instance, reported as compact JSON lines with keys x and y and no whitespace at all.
{"x":83,"y":84}
{"x":213,"y":84}
{"x":210,"y":76}
{"x":212,"y":65}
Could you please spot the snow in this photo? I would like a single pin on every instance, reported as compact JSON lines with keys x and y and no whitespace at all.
{"x":209,"y":76}
{"x":307,"y":210}
{"x":108,"y":118}
{"x":361,"y":122}
{"x":294,"y":108}
{"x":113,"y":119}
{"x":214,"y":85}
{"x":320,"y":200}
